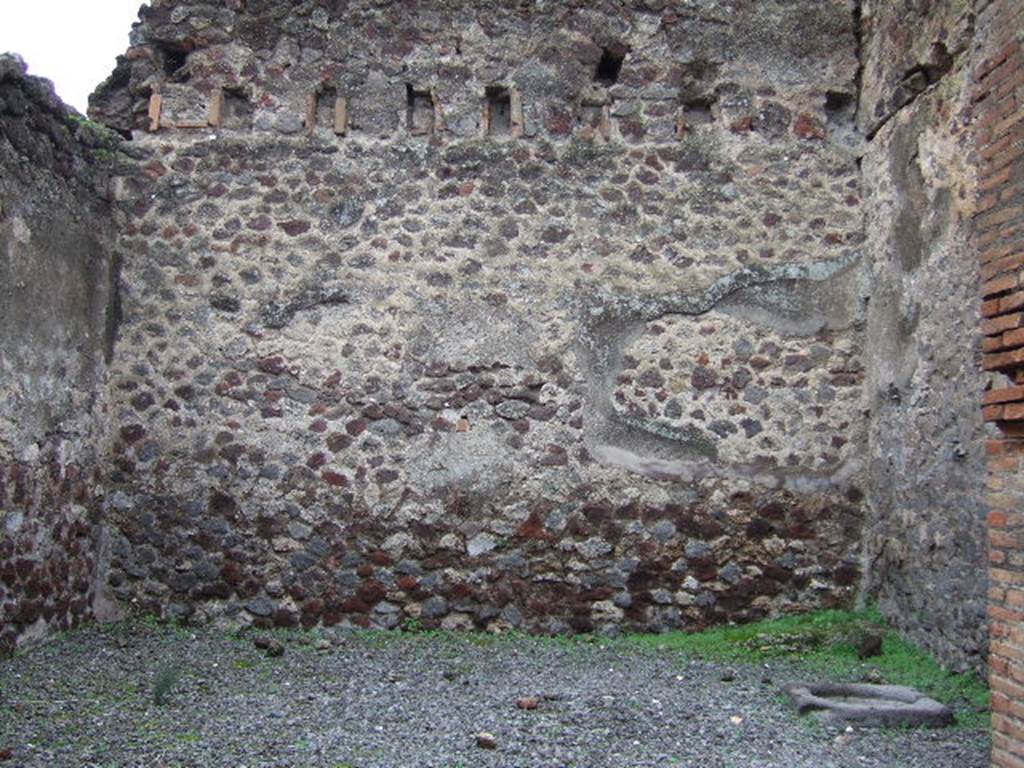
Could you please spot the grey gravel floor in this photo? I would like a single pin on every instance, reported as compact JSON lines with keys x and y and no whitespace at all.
{"x":415,"y":701}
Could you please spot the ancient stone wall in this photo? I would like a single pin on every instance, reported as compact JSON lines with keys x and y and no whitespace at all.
{"x":546,"y":316}
{"x":57,"y":320}
{"x":925,"y":532}
{"x":560,"y":317}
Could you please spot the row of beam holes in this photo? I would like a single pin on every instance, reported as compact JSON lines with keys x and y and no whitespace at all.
{"x":421,"y":117}
{"x":421,"y":113}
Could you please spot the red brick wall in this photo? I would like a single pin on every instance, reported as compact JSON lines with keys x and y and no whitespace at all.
{"x":999,"y":234}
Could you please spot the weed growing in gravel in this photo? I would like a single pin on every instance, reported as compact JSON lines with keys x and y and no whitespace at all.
{"x":164,"y":681}
{"x":412,"y":625}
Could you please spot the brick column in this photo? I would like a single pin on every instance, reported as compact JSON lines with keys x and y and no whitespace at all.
{"x":999,"y":236}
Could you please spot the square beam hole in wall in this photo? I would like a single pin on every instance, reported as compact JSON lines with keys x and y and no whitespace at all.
{"x":498,"y":115}
{"x":237,"y":110}
{"x":327,"y":116}
{"x":420,"y":113}
{"x":610,"y":65}
{"x":695,"y":112}
{"x":175,"y":58}
{"x":839,"y":106}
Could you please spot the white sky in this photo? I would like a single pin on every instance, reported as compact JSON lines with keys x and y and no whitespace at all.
{"x":72,"y":42}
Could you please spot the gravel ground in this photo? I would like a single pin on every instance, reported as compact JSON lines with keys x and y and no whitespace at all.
{"x":367,"y":701}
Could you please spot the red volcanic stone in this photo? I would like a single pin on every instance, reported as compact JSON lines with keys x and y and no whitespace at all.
{"x":542,"y":412}
{"x":800,"y":531}
{"x":261,"y":223}
{"x":533,"y":527}
{"x":807,"y":127}
{"x":705,"y":573}
{"x":354,"y":605}
{"x":318,"y":425}
{"x":229,"y":382}
{"x":313,"y":607}
{"x":365,"y":570}
{"x":338,"y":442}
{"x":336,"y":479}
{"x":371,"y":592}
{"x":274,"y":364}
{"x":408,"y":583}
{"x":460,"y":591}
{"x":556,"y":456}
{"x":294,"y":228}
{"x":373,"y":412}
{"x":381,"y":558}
{"x":132,"y":433}
{"x":332,"y":612}
{"x":399,"y":413}
{"x":356,"y":427}
{"x":285,"y":618}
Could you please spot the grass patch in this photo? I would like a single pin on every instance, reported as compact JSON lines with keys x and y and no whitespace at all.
{"x":826,"y":643}
{"x":164,"y":682}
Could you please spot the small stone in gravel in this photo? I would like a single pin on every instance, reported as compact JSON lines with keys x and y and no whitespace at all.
{"x":874,"y":676}
{"x":528,"y":702}
{"x":274,"y":648}
{"x":323,"y":645}
{"x":727,"y":676}
{"x":486,"y":741}
{"x":844,"y":738}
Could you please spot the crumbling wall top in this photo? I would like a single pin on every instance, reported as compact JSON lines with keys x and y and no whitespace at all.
{"x":443,"y":66}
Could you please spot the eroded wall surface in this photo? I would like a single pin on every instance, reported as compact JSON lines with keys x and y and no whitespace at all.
{"x":925,"y":536}
{"x":57,"y":321}
{"x":548,"y":318}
